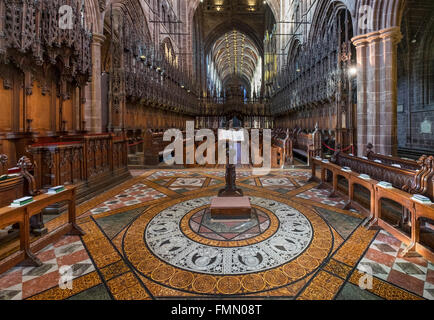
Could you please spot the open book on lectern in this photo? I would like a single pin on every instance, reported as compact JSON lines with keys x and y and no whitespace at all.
{"x":231,"y":135}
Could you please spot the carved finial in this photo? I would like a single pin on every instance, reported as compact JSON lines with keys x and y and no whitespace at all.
{"x":29,"y":124}
{"x":3,"y":160}
{"x":24,"y":163}
{"x":369,"y":148}
{"x":422,"y":160}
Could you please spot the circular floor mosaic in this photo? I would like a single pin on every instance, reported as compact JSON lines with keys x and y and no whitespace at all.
{"x":203,"y":225}
{"x":179,"y":246}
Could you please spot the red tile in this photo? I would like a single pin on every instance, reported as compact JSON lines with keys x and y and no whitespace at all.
{"x":66,"y":240}
{"x":229,"y":235}
{"x":11,"y":279}
{"x":389,"y":240}
{"x":73,"y":258}
{"x":430,"y":276}
{"x":205,"y":230}
{"x":380,"y":257}
{"x":131,"y":198}
{"x":46,"y":255}
{"x":194,"y":226}
{"x":416,"y":260}
{"x":40,"y":284}
{"x":406,"y":281}
{"x":116,"y":206}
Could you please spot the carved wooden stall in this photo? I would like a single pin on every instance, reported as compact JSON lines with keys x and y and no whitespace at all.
{"x":405,"y":183}
{"x":316,"y":88}
{"x":43,"y":72}
{"x":147,"y":88}
{"x":92,"y":162}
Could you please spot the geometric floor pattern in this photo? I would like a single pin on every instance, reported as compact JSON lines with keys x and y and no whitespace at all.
{"x":22,"y":282}
{"x":151,"y":238}
{"x":412,"y":273}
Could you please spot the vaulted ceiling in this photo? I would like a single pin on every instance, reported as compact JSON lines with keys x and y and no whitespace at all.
{"x":235,"y":53}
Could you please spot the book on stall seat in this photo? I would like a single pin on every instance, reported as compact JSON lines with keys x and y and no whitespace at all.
{"x":385,"y":184}
{"x":14,"y":170}
{"x":365,"y":176}
{"x":55,"y":190}
{"x":21,"y":202}
{"x":377,"y":161}
{"x":325,"y":161}
{"x":422,"y":199}
{"x":347,"y":169}
{"x":396,"y":165}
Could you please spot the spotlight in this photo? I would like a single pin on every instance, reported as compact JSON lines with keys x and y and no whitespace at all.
{"x":352,"y":71}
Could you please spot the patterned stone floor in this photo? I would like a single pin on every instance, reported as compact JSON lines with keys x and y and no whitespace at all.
{"x":149,"y":238}
{"x":383,"y":261}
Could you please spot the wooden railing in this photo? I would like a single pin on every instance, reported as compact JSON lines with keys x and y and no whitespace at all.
{"x":89,"y":161}
{"x":406,"y":183}
{"x":22,"y":216}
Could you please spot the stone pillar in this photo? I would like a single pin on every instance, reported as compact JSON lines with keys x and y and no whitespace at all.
{"x":377,"y":90}
{"x":93,"y":108}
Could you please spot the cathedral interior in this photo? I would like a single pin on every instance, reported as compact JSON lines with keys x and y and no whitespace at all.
{"x":107,"y":191}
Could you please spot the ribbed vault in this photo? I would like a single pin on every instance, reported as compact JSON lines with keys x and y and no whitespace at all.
{"x":235,"y":53}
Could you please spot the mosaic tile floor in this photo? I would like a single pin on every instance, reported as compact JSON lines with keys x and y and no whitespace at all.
{"x":21,"y":282}
{"x":202,"y":223}
{"x":151,"y":238}
{"x":413,"y":274}
{"x":138,"y":193}
{"x":321,"y":196}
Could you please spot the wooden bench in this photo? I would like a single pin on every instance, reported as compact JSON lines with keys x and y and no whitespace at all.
{"x":11,"y":189}
{"x":280,"y":147}
{"x":421,"y":211}
{"x":22,"y":215}
{"x":402,"y":193}
{"x":417,"y":211}
{"x":423,"y":180}
{"x":393,"y":161}
{"x":376,"y":171}
{"x":307,"y":145}
{"x":154,"y":147}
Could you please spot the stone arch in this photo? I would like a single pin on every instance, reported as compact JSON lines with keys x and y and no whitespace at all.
{"x":133,"y":11}
{"x":273,"y":4}
{"x":385,"y":14}
{"x":229,"y":26}
{"x":93,"y":16}
{"x":293,"y":48}
{"x":170,"y":55}
{"x":325,"y":13}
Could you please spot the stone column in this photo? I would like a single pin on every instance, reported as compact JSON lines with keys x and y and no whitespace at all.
{"x":377,"y":90}
{"x":93,"y":108}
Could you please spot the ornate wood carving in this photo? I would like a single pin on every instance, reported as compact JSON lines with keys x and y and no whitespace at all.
{"x":30,"y":36}
{"x":26,"y":165}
